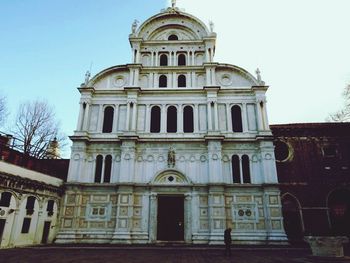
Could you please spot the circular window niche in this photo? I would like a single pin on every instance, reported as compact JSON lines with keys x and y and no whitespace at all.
{"x":283,"y":151}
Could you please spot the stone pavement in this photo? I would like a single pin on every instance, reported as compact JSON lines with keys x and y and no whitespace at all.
{"x":122,"y":254}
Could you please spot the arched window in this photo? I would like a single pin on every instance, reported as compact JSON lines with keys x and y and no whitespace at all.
{"x":163,"y":81}
{"x":108,"y":169}
{"x":173,"y":37}
{"x":172,"y":119}
{"x":108,"y":120}
{"x":236,"y":170}
{"x":181,"y":60}
{"x":98,"y":169}
{"x":188,"y":119}
{"x":181,"y":81}
{"x":5,"y":199}
{"x":291,"y":218}
{"x":246,"y":169}
{"x":49,"y":207}
{"x":30,"y":205}
{"x":236,"y":117}
{"x":163,"y":60}
{"x":155,"y":119}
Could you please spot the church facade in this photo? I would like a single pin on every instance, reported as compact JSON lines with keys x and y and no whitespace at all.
{"x":173,"y":147}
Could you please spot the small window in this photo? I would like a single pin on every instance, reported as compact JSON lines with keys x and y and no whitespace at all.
{"x":108,"y":169}
{"x":181,"y":60}
{"x":108,"y":120}
{"x":98,"y":169}
{"x":26,"y":225}
{"x":30,"y":203}
{"x":181,"y":81}
{"x":236,"y":117}
{"x":172,"y":119}
{"x":155,"y":119}
{"x":163,"y":81}
{"x":236,"y":170}
{"x":5,"y":199}
{"x":329,"y":151}
{"x":163,"y":60}
{"x":50,"y":204}
{"x":246,"y":169}
{"x":173,"y":37}
{"x":188,"y":119}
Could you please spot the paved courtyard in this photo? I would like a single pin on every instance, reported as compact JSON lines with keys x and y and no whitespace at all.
{"x":161,"y":255}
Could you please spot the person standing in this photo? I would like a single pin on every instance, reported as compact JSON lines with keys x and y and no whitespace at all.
{"x":228,"y":240}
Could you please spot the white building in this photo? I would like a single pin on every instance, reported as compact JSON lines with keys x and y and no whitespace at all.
{"x":29,"y":203}
{"x":172,"y":147}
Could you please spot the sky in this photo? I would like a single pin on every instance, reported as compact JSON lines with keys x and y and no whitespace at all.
{"x":301,"y":48}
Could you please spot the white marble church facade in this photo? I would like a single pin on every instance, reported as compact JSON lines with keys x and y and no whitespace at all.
{"x":172,"y":147}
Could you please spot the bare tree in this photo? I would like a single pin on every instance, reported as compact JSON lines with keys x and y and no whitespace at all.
{"x":35,"y":127}
{"x":3,"y":109}
{"x":342,"y":115}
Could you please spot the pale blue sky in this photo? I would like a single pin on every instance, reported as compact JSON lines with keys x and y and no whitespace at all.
{"x":301,"y":47}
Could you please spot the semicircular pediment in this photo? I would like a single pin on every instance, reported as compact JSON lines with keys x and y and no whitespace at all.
{"x":170,"y":177}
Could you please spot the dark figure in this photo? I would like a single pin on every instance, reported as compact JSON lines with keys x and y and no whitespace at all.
{"x":228,"y":240}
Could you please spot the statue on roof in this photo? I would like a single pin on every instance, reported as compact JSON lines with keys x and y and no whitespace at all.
{"x":258,"y":76}
{"x":211,"y":25}
{"x":173,"y":3}
{"x":134,"y":26}
{"x":87,"y":78}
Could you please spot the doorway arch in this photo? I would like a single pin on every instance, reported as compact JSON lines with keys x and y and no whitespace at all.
{"x":292,"y":217}
{"x":339,"y":211}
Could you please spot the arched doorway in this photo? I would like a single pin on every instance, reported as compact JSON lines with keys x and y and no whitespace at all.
{"x":292,"y":220}
{"x":339,"y":211}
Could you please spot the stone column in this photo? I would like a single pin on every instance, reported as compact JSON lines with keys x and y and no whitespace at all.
{"x":174,"y":85}
{"x":193,"y":79}
{"x":216,"y":116}
{"x":195,"y":118}
{"x":188,"y":218}
{"x":81,"y":116}
{"x":134,"y":116}
{"x":240,"y":169}
{"x":259,"y":117}
{"x":153,"y":213}
{"x":210,"y":126}
{"x":188,"y":80}
{"x":163,"y":119}
{"x":228,"y":118}
{"x":127,"y":116}
{"x":115,"y":118}
{"x":156,"y":59}
{"x":180,"y":122}
{"x":100,"y":118}
{"x":207,"y":76}
{"x":136,"y":77}
{"x":213,"y":79}
{"x":244,"y":119}
{"x":148,"y":118}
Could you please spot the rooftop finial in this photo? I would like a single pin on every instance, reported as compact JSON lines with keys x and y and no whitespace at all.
{"x":173,"y":3}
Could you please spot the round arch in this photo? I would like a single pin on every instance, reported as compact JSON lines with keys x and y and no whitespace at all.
{"x":292,"y":217}
{"x":170,"y":177}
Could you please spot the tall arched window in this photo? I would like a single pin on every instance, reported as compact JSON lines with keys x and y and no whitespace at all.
{"x":163,"y":61}
{"x":181,"y":60}
{"x":181,"y":81}
{"x":163,"y":81}
{"x":108,"y":120}
{"x":172,"y":119}
{"x":155,"y":119}
{"x":246,"y":169}
{"x":98,"y":169}
{"x":108,"y":169}
{"x":173,"y":37}
{"x":188,"y":119}
{"x":236,"y":117}
{"x":236,"y":170}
